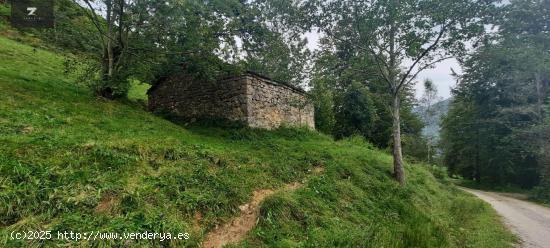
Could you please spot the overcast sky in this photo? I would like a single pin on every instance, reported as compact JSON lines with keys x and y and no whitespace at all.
{"x":440,"y":75}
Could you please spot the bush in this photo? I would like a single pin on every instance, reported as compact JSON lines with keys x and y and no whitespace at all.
{"x":439,"y":172}
{"x":87,"y":71}
{"x":541,"y":193}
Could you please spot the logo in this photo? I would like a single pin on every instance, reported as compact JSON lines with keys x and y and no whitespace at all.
{"x":32,"y":10}
{"x":32,"y":13}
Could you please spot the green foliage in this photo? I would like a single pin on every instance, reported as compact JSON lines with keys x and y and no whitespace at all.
{"x":541,"y":193}
{"x":73,"y":31}
{"x":356,"y":113}
{"x":272,"y":40}
{"x":415,"y":147}
{"x":71,"y":161}
{"x":370,"y":42}
{"x":488,"y":132}
{"x":324,"y":112}
{"x":87,"y":71}
{"x":138,"y":91}
{"x":153,"y":39}
{"x":5,"y":11}
{"x":271,"y":55}
{"x":539,"y":136}
{"x":345,"y":106}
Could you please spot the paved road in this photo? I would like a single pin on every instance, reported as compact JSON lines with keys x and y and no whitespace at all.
{"x":531,"y":222}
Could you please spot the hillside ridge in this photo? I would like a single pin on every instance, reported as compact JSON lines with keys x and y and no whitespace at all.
{"x":73,"y":162}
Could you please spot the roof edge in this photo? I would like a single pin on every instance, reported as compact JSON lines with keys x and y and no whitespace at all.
{"x":246,"y":73}
{"x":252,"y":73}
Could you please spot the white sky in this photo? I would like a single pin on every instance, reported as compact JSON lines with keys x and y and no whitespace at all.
{"x":440,"y":75}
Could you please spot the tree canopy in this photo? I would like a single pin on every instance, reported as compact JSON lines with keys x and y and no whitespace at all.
{"x":494,"y":132}
{"x":398,"y":39}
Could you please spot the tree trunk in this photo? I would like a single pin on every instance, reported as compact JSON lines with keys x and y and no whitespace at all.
{"x":398,"y":168}
{"x":429,"y":151}
{"x":477,"y":164}
{"x":109,"y":39}
{"x":540,"y":95}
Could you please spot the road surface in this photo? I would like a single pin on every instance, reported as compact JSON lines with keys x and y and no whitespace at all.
{"x":531,"y":222}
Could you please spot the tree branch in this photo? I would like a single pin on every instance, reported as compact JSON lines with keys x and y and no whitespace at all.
{"x":378,"y":62}
{"x":426,"y":67}
{"x":93,"y":17}
{"x":424,"y":53}
{"x":380,"y":69}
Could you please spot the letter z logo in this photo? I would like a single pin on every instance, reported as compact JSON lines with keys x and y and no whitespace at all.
{"x":32,"y":14}
{"x":32,"y":11}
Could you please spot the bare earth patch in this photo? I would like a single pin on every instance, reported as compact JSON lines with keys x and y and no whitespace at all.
{"x":235,"y":230}
{"x":106,"y":204}
{"x":317,"y":170}
{"x":197,"y":221}
{"x":27,"y":130}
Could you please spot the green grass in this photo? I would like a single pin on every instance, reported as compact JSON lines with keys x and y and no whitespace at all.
{"x":72,"y":162}
{"x":5,"y":11}
{"x":138,"y":91}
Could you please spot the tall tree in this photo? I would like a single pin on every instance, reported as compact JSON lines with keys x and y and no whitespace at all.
{"x":338,"y":83}
{"x":492,"y":131}
{"x":429,"y":98}
{"x":272,"y":40}
{"x":109,"y":18}
{"x":403,"y":37}
{"x":149,"y":39}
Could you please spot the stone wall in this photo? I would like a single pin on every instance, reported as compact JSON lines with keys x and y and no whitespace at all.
{"x":191,"y":99}
{"x":250,"y":99}
{"x":271,"y":104}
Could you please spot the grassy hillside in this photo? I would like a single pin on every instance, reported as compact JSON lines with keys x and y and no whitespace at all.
{"x":71,"y":162}
{"x":73,"y":29}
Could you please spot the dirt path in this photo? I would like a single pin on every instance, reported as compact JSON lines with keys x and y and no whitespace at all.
{"x":235,"y":230}
{"x":531,"y":222}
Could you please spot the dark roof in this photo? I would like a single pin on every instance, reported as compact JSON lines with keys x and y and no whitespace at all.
{"x":276,"y":81}
{"x":247,"y":73}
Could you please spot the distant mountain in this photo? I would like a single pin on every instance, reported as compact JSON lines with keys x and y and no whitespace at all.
{"x":433,"y":119}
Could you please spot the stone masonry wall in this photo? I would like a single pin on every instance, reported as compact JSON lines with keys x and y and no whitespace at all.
{"x":271,"y":104}
{"x":251,"y":99}
{"x":190,"y":99}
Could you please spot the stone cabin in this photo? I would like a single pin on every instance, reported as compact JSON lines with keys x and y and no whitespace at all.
{"x":251,"y":99}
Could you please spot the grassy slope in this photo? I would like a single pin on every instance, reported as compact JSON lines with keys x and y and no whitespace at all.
{"x":69,"y":161}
